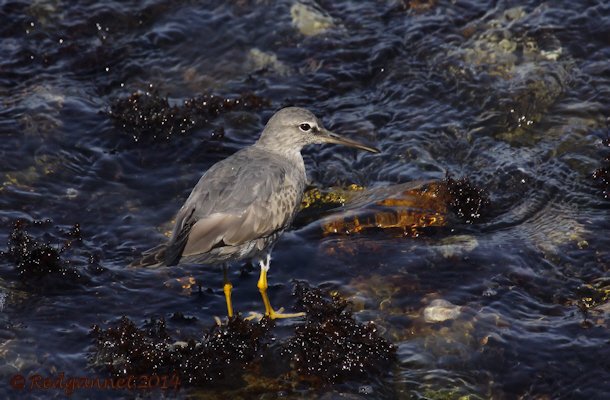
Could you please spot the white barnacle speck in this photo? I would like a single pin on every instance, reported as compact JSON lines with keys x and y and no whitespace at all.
{"x":551,"y":55}
{"x":71,"y":193}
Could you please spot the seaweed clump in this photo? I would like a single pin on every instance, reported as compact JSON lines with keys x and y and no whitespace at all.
{"x":467,"y":201}
{"x":148,"y":115}
{"x":332,"y":346}
{"x":127,"y":349}
{"x":602,"y":175}
{"x":220,"y":356}
{"x":36,"y":259}
{"x":224,"y":352}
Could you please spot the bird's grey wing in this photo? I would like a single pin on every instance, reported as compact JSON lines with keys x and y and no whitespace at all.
{"x":184,"y":223}
{"x":151,"y":258}
{"x":235,"y":202}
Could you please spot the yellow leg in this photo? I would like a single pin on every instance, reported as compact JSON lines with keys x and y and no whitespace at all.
{"x":227,"y":288}
{"x":262,"y":287}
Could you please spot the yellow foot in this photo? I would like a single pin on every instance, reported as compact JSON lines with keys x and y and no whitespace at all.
{"x":220,"y":321}
{"x":274,"y":315}
{"x":254,"y":316}
{"x":280,"y":314}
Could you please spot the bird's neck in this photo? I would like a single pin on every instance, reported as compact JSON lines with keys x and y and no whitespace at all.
{"x":291,"y":154}
{"x":288,"y":150}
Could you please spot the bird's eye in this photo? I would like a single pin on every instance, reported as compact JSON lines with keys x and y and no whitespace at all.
{"x":305,"y":127}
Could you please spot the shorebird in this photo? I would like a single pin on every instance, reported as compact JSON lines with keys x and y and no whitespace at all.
{"x":242,"y":204}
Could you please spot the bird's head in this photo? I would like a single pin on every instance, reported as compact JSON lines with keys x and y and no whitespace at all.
{"x":292,"y":128}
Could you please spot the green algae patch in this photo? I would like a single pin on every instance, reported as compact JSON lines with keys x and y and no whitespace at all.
{"x":333,"y":197}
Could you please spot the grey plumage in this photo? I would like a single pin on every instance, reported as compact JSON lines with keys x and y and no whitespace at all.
{"x":242,"y":204}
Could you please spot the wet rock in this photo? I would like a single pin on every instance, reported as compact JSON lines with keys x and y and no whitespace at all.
{"x":440,"y":310}
{"x":601,"y":176}
{"x":44,"y":166}
{"x":220,"y":355}
{"x":149,"y":116}
{"x":315,"y":197}
{"x":332,"y":346}
{"x":594,"y":294}
{"x":406,"y":209}
{"x":561,"y":228}
{"x":593,"y":301}
{"x":309,"y":20}
{"x":185,"y":285}
{"x":15,"y":360}
{"x":409,"y":209}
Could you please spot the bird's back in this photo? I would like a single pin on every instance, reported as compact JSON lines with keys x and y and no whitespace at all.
{"x":238,"y":208}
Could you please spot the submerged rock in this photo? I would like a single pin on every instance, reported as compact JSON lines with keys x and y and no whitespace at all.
{"x":309,"y":20}
{"x":408,"y":209}
{"x":44,"y":167}
{"x":405,"y":209}
{"x":525,"y":73}
{"x":259,"y":60}
{"x":440,"y":310}
{"x":41,"y":107}
{"x":316,"y":200}
{"x":453,"y":246}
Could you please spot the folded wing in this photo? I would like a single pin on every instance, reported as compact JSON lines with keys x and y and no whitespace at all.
{"x":238,"y":200}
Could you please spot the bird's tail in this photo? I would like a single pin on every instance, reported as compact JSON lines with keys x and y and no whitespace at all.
{"x":152,"y":258}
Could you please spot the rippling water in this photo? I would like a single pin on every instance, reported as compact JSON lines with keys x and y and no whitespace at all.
{"x":513,"y":95}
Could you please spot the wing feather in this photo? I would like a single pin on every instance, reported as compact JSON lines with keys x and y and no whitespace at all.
{"x":238,"y":200}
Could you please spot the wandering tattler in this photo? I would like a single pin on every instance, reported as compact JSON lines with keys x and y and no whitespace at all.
{"x":242,"y":204}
